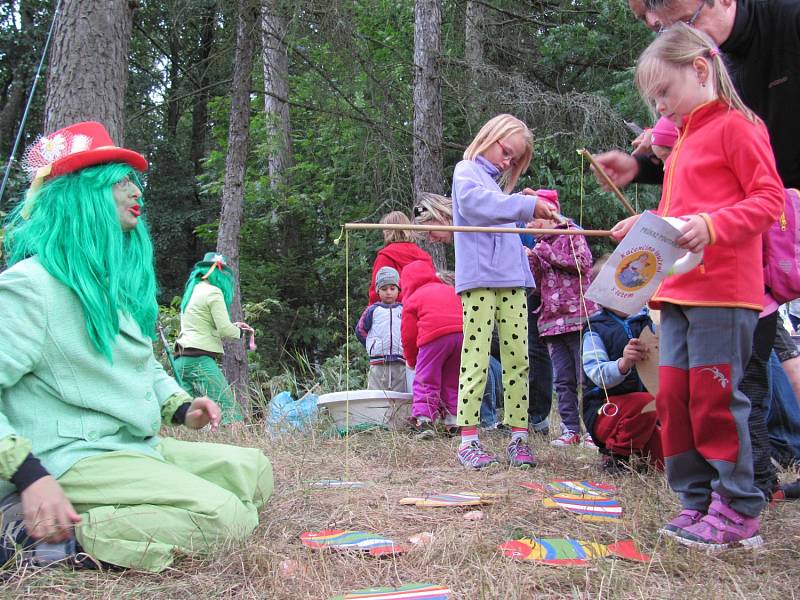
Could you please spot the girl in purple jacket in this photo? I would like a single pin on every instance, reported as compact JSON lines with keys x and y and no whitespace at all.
{"x":492,"y":273}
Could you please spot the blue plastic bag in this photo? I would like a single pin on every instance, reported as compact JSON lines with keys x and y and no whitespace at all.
{"x":287,"y":414}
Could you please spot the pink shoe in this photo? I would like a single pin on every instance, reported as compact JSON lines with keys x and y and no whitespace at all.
{"x":474,"y":456}
{"x":721,"y":528}
{"x":519,"y":454}
{"x":686,"y":518}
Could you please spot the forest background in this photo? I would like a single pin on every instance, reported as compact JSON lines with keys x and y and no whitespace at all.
{"x":347,"y":110}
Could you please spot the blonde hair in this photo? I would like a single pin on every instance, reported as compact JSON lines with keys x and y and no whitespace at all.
{"x":396,"y":235}
{"x":447,"y":277}
{"x":678,"y":48}
{"x":433,"y":207}
{"x":499,"y":128}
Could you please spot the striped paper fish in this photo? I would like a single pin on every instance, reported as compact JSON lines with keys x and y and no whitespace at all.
{"x":418,"y":591}
{"x":460,"y":499}
{"x":338,"y":539}
{"x":578,"y":488}
{"x":568,"y":551}
{"x":587,"y":508}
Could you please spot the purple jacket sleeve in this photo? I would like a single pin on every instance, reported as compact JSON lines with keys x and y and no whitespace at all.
{"x":365,"y":324}
{"x":481,"y":205}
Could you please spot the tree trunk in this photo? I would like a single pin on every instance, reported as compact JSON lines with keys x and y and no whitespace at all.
{"x":427,"y":161}
{"x":274,"y":28}
{"x":87,"y":76}
{"x":230,"y":224}
{"x":173,"y":107}
{"x":473,"y":36}
{"x":21,"y":66}
{"x":200,"y":108}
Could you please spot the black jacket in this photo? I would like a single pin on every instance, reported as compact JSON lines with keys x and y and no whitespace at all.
{"x":763,"y":57}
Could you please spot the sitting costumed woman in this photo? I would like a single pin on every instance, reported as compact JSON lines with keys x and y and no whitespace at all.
{"x":205,"y":321}
{"x":84,"y":476}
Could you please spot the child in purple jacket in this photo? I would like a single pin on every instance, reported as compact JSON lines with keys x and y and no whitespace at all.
{"x":562,"y":266}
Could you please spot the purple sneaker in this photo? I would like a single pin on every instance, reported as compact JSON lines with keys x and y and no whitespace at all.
{"x":686,"y":518}
{"x":519,"y":454}
{"x":721,"y":528}
{"x":475,"y":456}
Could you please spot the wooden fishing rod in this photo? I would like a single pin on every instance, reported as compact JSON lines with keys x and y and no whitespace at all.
{"x":470,"y":229}
{"x":602,"y":172}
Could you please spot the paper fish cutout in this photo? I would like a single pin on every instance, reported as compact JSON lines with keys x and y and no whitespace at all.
{"x":417,"y":591}
{"x":337,"y":484}
{"x":568,"y":551}
{"x":577,"y":488}
{"x":461,"y":499}
{"x":338,"y":539}
{"x":587,"y":508}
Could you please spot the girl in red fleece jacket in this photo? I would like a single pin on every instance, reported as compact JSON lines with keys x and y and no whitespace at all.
{"x":431,"y":330}
{"x":721,"y":179}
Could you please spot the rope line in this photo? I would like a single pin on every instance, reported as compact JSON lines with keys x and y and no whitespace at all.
{"x":30,"y":101}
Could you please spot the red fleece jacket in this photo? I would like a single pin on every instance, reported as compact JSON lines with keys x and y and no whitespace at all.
{"x":396,"y":255}
{"x":431,"y":309}
{"x":722,"y":168}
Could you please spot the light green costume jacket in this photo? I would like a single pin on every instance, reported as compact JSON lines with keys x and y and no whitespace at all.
{"x":205,"y":321}
{"x":59,"y":397}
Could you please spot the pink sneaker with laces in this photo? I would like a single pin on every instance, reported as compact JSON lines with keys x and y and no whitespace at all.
{"x":686,"y":518}
{"x":520,"y":455}
{"x":474,"y":456}
{"x":721,"y":528}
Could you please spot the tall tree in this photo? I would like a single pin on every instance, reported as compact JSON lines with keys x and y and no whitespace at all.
{"x":230,"y":224}
{"x":427,"y":161}
{"x":274,"y":29}
{"x":88,"y":71}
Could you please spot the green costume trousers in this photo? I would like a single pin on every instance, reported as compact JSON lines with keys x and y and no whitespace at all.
{"x":201,"y":376}
{"x":137,"y":511}
{"x":507,"y":308}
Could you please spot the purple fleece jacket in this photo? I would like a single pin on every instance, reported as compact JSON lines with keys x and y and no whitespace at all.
{"x":488,"y":260}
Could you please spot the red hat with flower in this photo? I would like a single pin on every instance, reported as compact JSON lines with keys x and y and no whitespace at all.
{"x":73,"y":148}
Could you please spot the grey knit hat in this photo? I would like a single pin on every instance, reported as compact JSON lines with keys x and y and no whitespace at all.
{"x":386,"y":276}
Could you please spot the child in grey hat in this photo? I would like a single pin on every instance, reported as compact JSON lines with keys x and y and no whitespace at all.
{"x":379,"y":330}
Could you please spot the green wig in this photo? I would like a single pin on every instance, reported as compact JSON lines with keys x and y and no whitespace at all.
{"x":74,"y":230}
{"x":219,"y":278}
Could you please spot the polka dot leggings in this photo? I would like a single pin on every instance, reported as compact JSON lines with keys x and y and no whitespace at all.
{"x":483,"y":308}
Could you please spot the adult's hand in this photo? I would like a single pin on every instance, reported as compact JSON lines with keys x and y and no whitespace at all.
{"x":643,"y":144}
{"x":621,"y":168}
{"x":202,"y":411}
{"x":49,"y":515}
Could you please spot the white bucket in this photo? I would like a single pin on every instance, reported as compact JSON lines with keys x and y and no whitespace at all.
{"x":380,"y":407}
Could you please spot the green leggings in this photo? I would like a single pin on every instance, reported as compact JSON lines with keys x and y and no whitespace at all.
{"x":508,"y":309}
{"x":200,"y":376}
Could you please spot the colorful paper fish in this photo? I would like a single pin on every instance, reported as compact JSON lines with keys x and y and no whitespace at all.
{"x":416,"y":591}
{"x":460,"y":499}
{"x":578,"y":488}
{"x":568,"y":551}
{"x":587,"y":508}
{"x":338,"y":539}
{"x":337,"y":484}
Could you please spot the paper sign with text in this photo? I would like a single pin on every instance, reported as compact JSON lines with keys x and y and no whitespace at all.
{"x":639,"y":264}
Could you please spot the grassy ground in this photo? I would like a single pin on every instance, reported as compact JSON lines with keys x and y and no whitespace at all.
{"x":462,"y":554}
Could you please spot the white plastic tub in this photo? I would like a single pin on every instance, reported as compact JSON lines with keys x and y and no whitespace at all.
{"x":380,"y":407}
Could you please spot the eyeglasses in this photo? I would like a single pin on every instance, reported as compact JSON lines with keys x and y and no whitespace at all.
{"x":126,"y":185}
{"x":508,"y":154}
{"x":689,"y":22}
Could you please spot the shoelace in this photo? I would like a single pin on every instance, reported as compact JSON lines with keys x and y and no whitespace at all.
{"x":473,"y":452}
{"x":521,"y":449}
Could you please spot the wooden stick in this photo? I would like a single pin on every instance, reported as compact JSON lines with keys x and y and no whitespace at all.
{"x":462,"y":228}
{"x":599,"y":169}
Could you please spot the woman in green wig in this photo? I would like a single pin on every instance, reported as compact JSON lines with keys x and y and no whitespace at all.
{"x":85,"y":477}
{"x":205,"y":322}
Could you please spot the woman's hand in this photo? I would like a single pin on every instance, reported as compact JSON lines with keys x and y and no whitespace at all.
{"x":621,"y":168}
{"x":49,"y":515}
{"x":621,"y":229}
{"x":243,"y":326}
{"x":695,"y":234}
{"x":203,"y":411}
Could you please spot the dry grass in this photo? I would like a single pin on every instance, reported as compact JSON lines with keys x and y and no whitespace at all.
{"x":463,"y":554}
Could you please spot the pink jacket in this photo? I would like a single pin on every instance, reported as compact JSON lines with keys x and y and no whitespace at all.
{"x":556,"y":271}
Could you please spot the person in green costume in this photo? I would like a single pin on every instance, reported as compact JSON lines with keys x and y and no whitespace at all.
{"x":205,"y":322}
{"x":85,"y":477}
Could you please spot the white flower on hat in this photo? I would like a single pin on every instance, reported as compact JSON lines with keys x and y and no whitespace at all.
{"x":53,"y":147}
{"x":80,"y":143}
